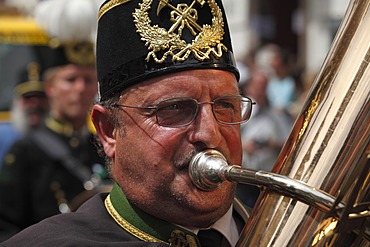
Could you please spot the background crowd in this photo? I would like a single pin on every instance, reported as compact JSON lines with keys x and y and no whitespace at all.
{"x":270,"y":76}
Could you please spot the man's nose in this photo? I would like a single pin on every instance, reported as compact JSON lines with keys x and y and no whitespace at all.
{"x":205,"y":127}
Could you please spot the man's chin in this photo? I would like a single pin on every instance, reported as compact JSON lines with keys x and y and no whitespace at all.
{"x":206,"y":201}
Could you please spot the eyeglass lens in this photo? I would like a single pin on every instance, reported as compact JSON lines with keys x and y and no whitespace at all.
{"x":180,"y":112}
{"x":176,"y":112}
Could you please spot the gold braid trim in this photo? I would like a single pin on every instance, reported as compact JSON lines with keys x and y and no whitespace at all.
{"x":104,"y":9}
{"x":126,"y":225}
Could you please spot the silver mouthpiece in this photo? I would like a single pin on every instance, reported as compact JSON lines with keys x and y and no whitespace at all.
{"x":206,"y":169}
{"x":209,"y":168}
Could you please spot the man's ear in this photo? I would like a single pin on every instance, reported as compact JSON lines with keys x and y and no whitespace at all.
{"x":104,"y":129}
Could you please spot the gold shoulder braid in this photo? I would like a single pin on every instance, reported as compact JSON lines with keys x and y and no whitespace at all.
{"x":177,"y":238}
{"x":206,"y":42}
{"x":126,"y":225}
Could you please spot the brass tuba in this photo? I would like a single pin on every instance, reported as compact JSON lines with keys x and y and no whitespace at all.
{"x":324,"y":164}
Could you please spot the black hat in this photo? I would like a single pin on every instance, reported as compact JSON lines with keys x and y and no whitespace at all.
{"x":141,"y":39}
{"x":58,"y":54}
{"x":71,"y":26}
{"x":30,"y":83}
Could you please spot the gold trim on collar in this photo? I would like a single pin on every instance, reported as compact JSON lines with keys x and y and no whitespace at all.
{"x":126,"y":225}
{"x":104,"y":9}
{"x":61,"y":128}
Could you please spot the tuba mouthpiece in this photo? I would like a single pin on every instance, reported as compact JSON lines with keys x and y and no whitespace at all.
{"x":207,"y":169}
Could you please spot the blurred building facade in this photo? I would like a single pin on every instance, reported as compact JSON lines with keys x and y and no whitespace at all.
{"x":304,"y":27}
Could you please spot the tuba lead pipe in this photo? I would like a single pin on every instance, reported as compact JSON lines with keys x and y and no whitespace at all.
{"x":208,"y":169}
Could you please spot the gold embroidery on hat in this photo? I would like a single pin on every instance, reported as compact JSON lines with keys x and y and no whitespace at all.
{"x":33,"y":71}
{"x":80,"y":53}
{"x":206,"y":42}
{"x":33,"y":84}
{"x":110,"y":5}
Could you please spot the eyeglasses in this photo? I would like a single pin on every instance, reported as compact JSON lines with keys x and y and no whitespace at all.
{"x":179,"y":112}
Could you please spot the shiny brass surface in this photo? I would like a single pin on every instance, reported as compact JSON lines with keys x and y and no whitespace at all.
{"x":327,"y":149}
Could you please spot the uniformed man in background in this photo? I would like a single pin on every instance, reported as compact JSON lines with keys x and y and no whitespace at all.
{"x":53,"y":166}
{"x":29,"y":108}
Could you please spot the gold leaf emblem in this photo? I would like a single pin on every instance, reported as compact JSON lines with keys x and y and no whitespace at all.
{"x":207,"y":38}
{"x":80,"y":53}
{"x":180,"y":239}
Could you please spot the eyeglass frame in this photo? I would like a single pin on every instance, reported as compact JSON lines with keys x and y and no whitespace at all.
{"x":195,"y":114}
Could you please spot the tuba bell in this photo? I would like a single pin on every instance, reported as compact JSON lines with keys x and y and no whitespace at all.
{"x":318,"y":191}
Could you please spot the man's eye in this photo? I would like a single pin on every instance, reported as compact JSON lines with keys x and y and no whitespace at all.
{"x":71,"y":79}
{"x":175,"y":105}
{"x":177,"y":108}
{"x":225,"y":105}
{"x":169,"y":107}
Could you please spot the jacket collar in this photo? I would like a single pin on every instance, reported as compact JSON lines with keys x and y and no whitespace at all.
{"x":149,"y":228}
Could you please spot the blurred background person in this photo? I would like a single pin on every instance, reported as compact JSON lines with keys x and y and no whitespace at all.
{"x":278,"y":64}
{"x":263,"y":136}
{"x":29,"y":108}
{"x":246,"y":66}
{"x":53,"y":166}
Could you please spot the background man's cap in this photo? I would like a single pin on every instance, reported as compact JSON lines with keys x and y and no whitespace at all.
{"x":30,"y":83}
{"x":59,"y":54}
{"x":141,"y":39}
{"x":71,"y":25}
